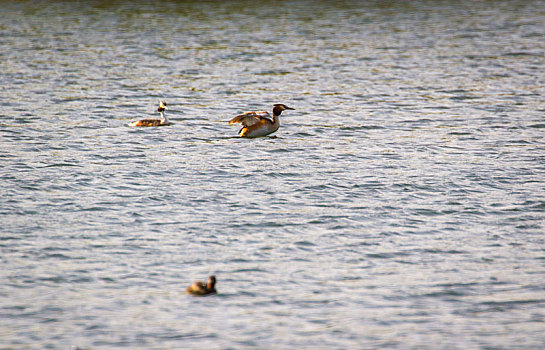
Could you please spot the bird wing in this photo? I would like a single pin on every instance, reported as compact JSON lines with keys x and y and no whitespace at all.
{"x":197,"y":287}
{"x":146,"y":122}
{"x":250,"y":118}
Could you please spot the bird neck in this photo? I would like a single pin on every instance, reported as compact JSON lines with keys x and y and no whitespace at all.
{"x":164,"y":119}
{"x":276,"y":119}
{"x":276,"y":115}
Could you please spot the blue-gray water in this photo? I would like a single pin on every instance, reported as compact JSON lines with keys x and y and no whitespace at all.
{"x":401,"y":205}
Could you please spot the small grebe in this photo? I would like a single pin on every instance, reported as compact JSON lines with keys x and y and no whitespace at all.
{"x":201,"y":288}
{"x":154,"y":122}
{"x":256,"y":124}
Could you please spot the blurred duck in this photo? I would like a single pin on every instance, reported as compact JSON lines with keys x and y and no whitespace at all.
{"x":154,"y":122}
{"x":256,"y":124}
{"x":201,"y":288}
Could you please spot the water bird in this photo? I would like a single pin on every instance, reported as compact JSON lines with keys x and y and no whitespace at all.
{"x":260,"y":123}
{"x":154,"y":122}
{"x":203,"y":288}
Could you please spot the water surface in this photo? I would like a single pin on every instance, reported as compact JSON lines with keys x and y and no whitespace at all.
{"x":401,"y":205}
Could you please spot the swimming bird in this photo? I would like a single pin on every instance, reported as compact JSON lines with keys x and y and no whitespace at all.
{"x":256,"y":124}
{"x":201,"y":288}
{"x":154,"y":122}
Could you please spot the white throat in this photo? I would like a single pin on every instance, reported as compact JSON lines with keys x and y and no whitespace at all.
{"x":276,"y":122}
{"x":164,"y":119}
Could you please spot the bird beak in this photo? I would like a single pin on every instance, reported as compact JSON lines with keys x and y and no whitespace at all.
{"x":293,"y":109}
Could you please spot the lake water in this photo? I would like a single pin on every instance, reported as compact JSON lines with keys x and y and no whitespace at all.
{"x":401,"y":205}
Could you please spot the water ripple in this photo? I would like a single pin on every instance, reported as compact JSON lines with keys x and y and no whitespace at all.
{"x":399,"y":206}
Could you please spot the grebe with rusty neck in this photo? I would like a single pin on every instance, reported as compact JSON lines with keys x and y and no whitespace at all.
{"x":260,"y":123}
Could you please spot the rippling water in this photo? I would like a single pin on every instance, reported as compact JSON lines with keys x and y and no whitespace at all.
{"x":401,"y":205}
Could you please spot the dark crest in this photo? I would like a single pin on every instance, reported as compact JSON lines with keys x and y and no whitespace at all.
{"x":278,"y":108}
{"x":162,"y":106}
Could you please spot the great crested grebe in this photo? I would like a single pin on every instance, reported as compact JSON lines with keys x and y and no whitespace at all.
{"x":256,"y":124}
{"x":201,"y":288}
{"x":154,"y":122}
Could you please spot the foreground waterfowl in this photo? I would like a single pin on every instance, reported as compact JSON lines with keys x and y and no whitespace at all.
{"x":203,"y":288}
{"x":256,"y":124}
{"x":154,"y":122}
